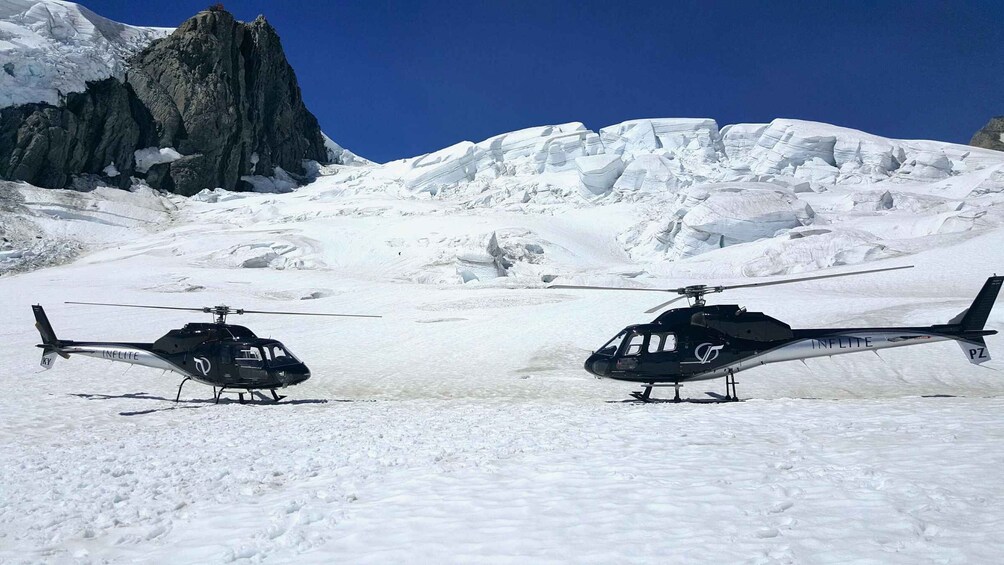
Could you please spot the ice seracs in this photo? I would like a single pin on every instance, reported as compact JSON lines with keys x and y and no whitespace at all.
{"x":693,"y":188}
{"x":709,"y":218}
{"x":50,"y":48}
{"x":787,"y":196}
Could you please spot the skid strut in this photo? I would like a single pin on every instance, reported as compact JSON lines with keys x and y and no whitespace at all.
{"x":217,"y":394}
{"x":646,"y":394}
{"x":178,"y":396}
{"x":730,"y":380}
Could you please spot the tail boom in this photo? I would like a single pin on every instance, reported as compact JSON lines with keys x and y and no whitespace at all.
{"x":133,"y":353}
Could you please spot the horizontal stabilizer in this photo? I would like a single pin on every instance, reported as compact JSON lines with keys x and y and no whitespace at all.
{"x":975,"y":350}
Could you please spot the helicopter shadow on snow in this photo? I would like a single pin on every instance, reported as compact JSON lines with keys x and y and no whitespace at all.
{"x":196,"y":402}
{"x":713,"y":398}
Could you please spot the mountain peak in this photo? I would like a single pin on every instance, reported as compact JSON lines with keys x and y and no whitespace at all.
{"x":213,"y":104}
{"x":991,"y":136}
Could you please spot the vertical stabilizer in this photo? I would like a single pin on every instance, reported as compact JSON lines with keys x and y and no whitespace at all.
{"x":975,"y":317}
{"x":43,"y":325}
{"x":49,"y":342}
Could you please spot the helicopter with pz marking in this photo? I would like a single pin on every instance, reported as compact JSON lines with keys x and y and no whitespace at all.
{"x":704,"y":342}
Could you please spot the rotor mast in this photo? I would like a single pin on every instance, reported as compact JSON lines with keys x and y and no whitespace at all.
{"x":221,"y":312}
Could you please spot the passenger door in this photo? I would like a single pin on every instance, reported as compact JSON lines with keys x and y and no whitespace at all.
{"x":250,"y":364}
{"x":661,"y":353}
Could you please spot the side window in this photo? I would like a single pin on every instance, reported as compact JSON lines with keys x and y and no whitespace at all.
{"x":661,"y":342}
{"x":634,"y":344}
{"x":247,"y":356}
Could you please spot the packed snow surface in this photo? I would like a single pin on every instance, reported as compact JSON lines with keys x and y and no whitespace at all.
{"x":460,"y":427}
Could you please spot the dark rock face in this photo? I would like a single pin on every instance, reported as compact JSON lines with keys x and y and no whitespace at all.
{"x":46,"y":145}
{"x":991,"y":136}
{"x":218,"y":90}
{"x":224,"y":96}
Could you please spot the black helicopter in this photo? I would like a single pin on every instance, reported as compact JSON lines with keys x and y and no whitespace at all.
{"x":224,"y":356}
{"x":708,"y":342}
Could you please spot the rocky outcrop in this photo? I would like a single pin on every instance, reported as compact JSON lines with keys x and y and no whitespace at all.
{"x":47,"y":145}
{"x":991,"y":136}
{"x":217,"y":90}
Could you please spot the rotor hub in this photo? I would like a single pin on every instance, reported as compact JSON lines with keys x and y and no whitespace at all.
{"x":221,"y":312}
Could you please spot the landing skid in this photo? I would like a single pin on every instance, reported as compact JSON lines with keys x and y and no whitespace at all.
{"x":241,"y":392}
{"x":731,"y":395}
{"x":217,"y":394}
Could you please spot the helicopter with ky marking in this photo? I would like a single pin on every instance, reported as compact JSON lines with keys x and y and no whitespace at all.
{"x":704,"y":342}
{"x":224,"y":356}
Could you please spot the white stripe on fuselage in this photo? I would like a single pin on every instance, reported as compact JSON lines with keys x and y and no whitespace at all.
{"x":835,"y":344}
{"x":124,"y":354}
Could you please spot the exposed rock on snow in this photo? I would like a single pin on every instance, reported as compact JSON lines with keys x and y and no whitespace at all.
{"x":46,"y":146}
{"x":217,"y":96}
{"x":991,"y":136}
{"x":217,"y":122}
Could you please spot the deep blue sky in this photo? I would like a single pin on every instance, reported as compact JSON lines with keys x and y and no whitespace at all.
{"x":397,"y":79}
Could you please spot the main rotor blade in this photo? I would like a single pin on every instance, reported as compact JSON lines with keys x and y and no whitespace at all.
{"x":801,"y":279}
{"x":609,"y":288}
{"x":140,"y":306}
{"x":242,"y":311}
{"x":663,"y":305}
{"x":210,"y":310}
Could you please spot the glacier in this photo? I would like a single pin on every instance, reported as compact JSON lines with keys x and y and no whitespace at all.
{"x":460,"y":427}
{"x":49,"y":49}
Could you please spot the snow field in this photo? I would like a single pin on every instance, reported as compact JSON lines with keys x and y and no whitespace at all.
{"x":461,"y":427}
{"x":801,"y":481}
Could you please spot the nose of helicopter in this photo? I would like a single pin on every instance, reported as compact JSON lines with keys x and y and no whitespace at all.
{"x":598,"y":365}
{"x":293,"y":375}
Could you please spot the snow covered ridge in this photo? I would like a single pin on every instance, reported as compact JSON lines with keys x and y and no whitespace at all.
{"x":808,"y":195}
{"x":646,"y":198}
{"x":656,"y":155}
{"x":49,"y":48}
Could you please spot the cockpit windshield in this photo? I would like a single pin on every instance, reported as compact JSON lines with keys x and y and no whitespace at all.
{"x":278,"y":356}
{"x":611,"y":347}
